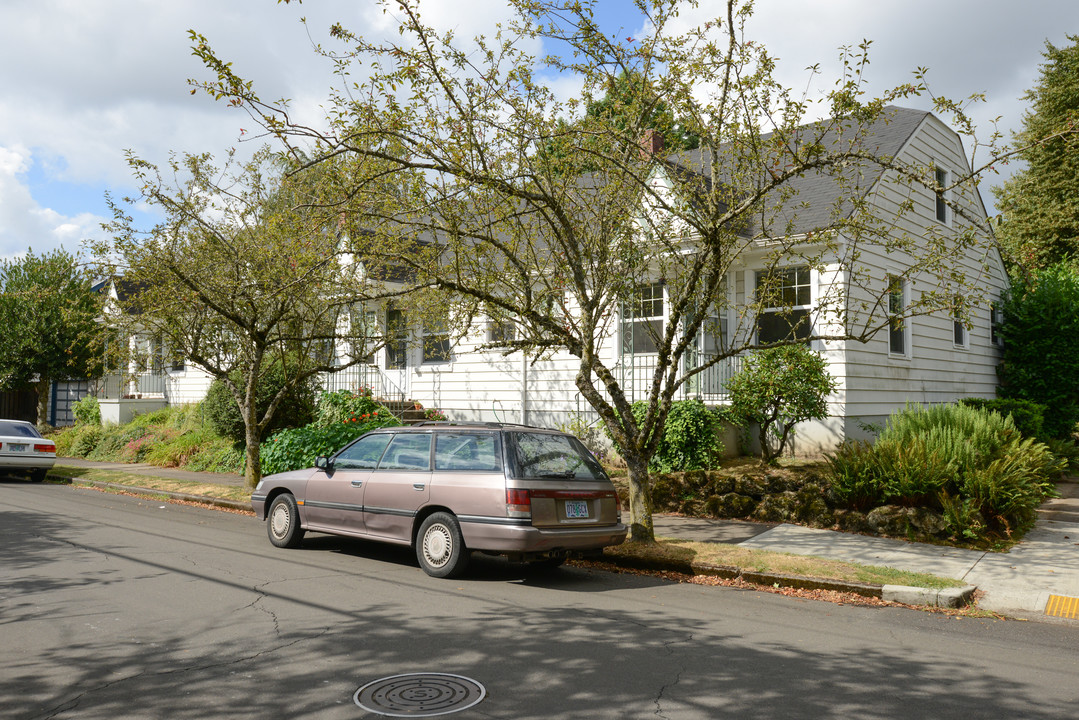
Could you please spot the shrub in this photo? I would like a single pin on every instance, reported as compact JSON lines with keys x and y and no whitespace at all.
{"x":1028,"y":416}
{"x":338,"y":407}
{"x":970,"y":463}
{"x":86,"y":438}
{"x":87,"y":411}
{"x":778,"y":388}
{"x":223,"y":414}
{"x":689,"y":439}
{"x":217,"y":455}
{"x":1041,"y":346}
{"x":297,"y":448}
{"x":179,"y":447}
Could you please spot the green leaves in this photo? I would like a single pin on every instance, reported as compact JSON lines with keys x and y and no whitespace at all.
{"x":1040,"y":203}
{"x":1041,"y":346}
{"x":778,"y":388}
{"x":49,"y":320}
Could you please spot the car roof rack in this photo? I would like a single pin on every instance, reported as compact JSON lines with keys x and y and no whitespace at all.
{"x":475,"y":423}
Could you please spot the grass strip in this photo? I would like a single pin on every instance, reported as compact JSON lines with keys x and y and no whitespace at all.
{"x":189,"y":487}
{"x":684,"y":552}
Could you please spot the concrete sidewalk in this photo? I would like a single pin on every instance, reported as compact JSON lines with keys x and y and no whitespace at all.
{"x":1038,"y":577}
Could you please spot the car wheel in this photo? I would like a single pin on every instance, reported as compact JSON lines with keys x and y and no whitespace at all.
{"x":440,"y":547}
{"x":38,"y":475}
{"x":283,"y":522}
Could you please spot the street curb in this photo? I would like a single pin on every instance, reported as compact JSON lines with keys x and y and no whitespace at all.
{"x":135,"y":490}
{"x":948,"y":597}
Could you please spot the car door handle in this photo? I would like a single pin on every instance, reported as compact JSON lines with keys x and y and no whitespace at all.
{"x":357,"y":483}
{"x":419,"y":486}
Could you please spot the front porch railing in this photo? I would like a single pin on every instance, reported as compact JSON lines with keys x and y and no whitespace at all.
{"x":710,"y":385}
{"x":149,"y":384}
{"x":360,"y":377}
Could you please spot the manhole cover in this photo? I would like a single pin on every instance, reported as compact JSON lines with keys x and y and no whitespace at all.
{"x":419,"y":695}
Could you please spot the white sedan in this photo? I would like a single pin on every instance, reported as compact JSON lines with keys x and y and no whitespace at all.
{"x":23,"y":451}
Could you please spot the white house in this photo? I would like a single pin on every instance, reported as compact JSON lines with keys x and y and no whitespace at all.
{"x":926,"y":359}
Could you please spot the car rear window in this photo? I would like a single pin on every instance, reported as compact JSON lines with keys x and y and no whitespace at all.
{"x":18,"y":429}
{"x":547,"y":456}
{"x":468,"y":451}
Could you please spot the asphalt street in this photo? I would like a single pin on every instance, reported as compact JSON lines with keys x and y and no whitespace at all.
{"x":119,"y":607}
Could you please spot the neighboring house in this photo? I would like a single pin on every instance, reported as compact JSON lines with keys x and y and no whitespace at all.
{"x":927,"y":359}
{"x":141,"y":375}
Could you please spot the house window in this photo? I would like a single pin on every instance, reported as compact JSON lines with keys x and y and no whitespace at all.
{"x":959,"y":330}
{"x":436,"y":341}
{"x":897,"y":324}
{"x":941,"y":177}
{"x":177,"y":364}
{"x":365,"y":333}
{"x":397,"y":346}
{"x":501,"y":333}
{"x":642,"y":321}
{"x":996,"y":319}
{"x":785,"y":297}
{"x":157,"y":355}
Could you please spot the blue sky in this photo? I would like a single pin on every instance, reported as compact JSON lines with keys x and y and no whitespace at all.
{"x":83,"y":80}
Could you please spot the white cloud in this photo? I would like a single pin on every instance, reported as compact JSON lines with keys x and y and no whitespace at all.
{"x":88,"y":78}
{"x":25,"y":224}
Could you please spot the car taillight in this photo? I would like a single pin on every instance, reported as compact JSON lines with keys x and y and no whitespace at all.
{"x":518,"y":503}
{"x":44,"y":447}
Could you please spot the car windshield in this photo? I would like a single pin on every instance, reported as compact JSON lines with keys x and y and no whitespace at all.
{"x":17,"y":429}
{"x":553,"y":457}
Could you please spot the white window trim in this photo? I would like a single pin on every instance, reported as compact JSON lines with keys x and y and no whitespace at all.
{"x":812,"y":284}
{"x":427,"y":332}
{"x":957,"y":324}
{"x":944,"y":197}
{"x":629,"y":318}
{"x":996,"y":319}
{"x":908,"y":335}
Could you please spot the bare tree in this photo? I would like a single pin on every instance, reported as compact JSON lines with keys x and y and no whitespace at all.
{"x":245,"y":273}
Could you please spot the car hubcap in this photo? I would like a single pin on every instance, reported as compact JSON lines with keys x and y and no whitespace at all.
{"x":280,"y":521}
{"x":437,"y":545}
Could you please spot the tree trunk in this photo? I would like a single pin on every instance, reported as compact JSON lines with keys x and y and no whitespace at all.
{"x":43,"y":385}
{"x":640,"y":502}
{"x":252,"y":463}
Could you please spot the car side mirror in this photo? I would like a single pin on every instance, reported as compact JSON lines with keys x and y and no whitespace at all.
{"x":324,"y":463}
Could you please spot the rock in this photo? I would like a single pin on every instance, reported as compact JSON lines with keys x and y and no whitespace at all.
{"x":928,"y":523}
{"x":811,"y":508}
{"x":729,"y":505}
{"x":851,"y":521}
{"x":888,"y":520}
{"x":720,"y":483}
{"x":666,"y":491}
{"x":748,"y":486}
{"x":776,"y":508}
{"x":694,"y":480}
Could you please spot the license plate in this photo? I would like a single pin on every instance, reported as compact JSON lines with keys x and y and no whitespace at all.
{"x":17,"y":447}
{"x":576,"y":509}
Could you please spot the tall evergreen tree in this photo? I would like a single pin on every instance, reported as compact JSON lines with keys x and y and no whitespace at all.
{"x":1040,"y":204}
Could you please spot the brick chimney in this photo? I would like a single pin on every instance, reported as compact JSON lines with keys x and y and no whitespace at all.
{"x":651,"y":144}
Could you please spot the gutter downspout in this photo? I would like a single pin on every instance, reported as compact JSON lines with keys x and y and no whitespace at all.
{"x":524,"y":388}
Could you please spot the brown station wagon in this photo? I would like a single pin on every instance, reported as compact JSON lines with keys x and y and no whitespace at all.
{"x":447,"y":489}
